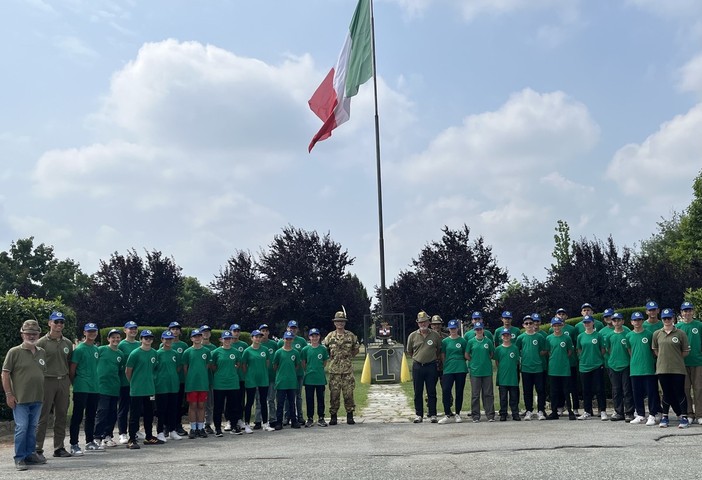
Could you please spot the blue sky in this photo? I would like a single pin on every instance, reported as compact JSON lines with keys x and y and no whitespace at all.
{"x":183,"y":126}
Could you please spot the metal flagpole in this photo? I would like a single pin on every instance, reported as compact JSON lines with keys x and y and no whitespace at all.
{"x":381,"y":238}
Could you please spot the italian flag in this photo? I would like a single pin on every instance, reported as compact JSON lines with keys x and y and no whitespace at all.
{"x":331,"y":101}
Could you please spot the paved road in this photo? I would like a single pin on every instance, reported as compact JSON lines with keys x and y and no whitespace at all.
{"x":531,"y":450}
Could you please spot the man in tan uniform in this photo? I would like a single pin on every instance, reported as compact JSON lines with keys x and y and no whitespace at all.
{"x":342,"y":346}
{"x":57,"y":384}
{"x":424,"y":346}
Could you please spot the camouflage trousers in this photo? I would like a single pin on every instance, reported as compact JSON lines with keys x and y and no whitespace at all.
{"x":341,"y":383}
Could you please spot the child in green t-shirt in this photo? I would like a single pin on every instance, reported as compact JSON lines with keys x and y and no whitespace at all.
{"x":110,"y":369}
{"x":560,"y":349}
{"x":225,"y":385}
{"x":479,"y":352}
{"x":314,"y":359}
{"x":140,"y":369}
{"x":286,"y":361}
{"x":255,"y":363}
{"x":507,"y":362}
{"x":83,"y":373}
{"x":167,"y":386}
{"x":196,"y":365}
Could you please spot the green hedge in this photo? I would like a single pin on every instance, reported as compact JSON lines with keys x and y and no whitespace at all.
{"x":14,"y":311}
{"x":185,"y":335}
{"x":546,"y":323}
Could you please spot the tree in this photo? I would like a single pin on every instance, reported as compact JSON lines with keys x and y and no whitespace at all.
{"x":449,"y":278}
{"x":131,"y":288}
{"x":34,"y":272}
{"x":562,"y":251}
{"x":198,"y":303}
{"x":239,"y":291}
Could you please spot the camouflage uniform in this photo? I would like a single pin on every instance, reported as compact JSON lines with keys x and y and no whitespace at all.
{"x":342,"y":349}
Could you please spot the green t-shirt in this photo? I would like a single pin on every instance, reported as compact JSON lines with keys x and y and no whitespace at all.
{"x":580,"y":326}
{"x":480,"y":352}
{"x":179,"y":347}
{"x":454,"y":351}
{"x":272,"y":346}
{"x":256,"y":362}
{"x":507,"y":359}
{"x":497,"y":336}
{"x":617,"y":350}
{"x":298,"y":344}
{"x":652,"y":327}
{"x":240,"y":346}
{"x":558,"y":348}
{"x":197,"y":361}
{"x":606,"y":332}
{"x":693,"y":331}
{"x":143,"y":365}
{"x":167,"y":363}
{"x":571,"y":332}
{"x":642,"y":360}
{"x":286,"y":363}
{"x":471,"y":334}
{"x":590,"y":346}
{"x":530,"y":348}
{"x":226,"y":375}
{"x":314,"y":358}
{"x":86,"y":359}
{"x":110,"y":370}
{"x":127,"y":348}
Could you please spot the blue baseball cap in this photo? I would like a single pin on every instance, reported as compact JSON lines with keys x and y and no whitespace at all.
{"x":174,"y":325}
{"x":506,"y":314}
{"x":478,"y":326}
{"x":536,"y":317}
{"x":637,"y":316}
{"x":205,"y":328}
{"x":113,"y":331}
{"x":608,"y":312}
{"x":313,"y":331}
{"x":167,"y":335}
{"x":262,"y":326}
{"x":651,"y":306}
{"x":687,"y":306}
{"x":234,"y":326}
{"x":146,"y":333}
{"x":257,"y":333}
{"x":556,"y":321}
{"x":292,"y":323}
{"x":526,"y":317}
{"x":667,"y":313}
{"x":131,"y":324}
{"x":90,"y":327}
{"x":476,"y":315}
{"x":57,"y":316}
{"x":586,"y":305}
{"x":195,"y":332}
{"x":617,"y":316}
{"x":561,"y":310}
{"x":226,"y":334}
{"x":453,"y":324}
{"x":505,"y":331}
{"x":286,"y":335}
{"x":588,"y":319}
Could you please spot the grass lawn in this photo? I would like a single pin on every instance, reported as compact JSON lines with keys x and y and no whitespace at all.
{"x":360,"y":393}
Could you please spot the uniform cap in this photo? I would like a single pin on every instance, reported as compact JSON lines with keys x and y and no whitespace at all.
{"x":90,"y":327}
{"x":167,"y":335}
{"x":588,"y":319}
{"x":314,"y":331}
{"x":146,"y":333}
{"x":476,"y":315}
{"x":585,"y":305}
{"x":226,"y":334}
{"x":131,"y":324}
{"x":556,"y":321}
{"x":112,"y":332}
{"x":423,"y":317}
{"x":667,"y":313}
{"x":262,"y":326}
{"x":505,"y":331}
{"x":195,"y":333}
{"x":436,"y":320}
{"x":617,"y":316}
{"x":478,"y":326}
{"x":286,"y":335}
{"x":561,"y":310}
{"x":526,"y":317}
{"x":234,"y":327}
{"x":205,"y":328}
{"x":30,"y":326}
{"x":174,"y":325}
{"x":257,"y":333}
{"x":506,"y":314}
{"x":453,"y":324}
{"x":56,"y":316}
{"x":292,"y":323}
{"x":687,"y":306}
{"x":651,"y":306}
{"x":608,"y":312}
{"x":536,"y":317}
{"x":637,"y":316}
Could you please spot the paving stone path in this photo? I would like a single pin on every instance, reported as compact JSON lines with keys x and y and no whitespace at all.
{"x":387,"y":404}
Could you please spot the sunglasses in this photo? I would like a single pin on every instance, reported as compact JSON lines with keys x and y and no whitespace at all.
{"x":58,"y":321}
{"x":528,"y":323}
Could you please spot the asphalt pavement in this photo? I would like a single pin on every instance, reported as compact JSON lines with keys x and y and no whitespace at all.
{"x":531,"y":450}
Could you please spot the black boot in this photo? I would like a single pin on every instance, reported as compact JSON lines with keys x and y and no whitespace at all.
{"x":349,"y":419}
{"x":333,"y":419}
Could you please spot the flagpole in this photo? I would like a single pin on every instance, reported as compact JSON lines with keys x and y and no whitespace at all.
{"x":381,"y":238}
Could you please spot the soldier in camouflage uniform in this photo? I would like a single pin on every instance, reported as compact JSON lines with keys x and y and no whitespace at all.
{"x":342,"y":346}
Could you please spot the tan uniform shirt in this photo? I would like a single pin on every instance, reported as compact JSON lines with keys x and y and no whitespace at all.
{"x":424,"y":349}
{"x":26,"y":373}
{"x":670,"y":347}
{"x":58,"y":354}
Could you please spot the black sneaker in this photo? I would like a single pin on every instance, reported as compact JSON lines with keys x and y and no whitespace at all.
{"x":218,"y":433}
{"x":516,"y":417}
{"x":552,"y":416}
{"x":296,"y":425}
{"x":192,"y":434}
{"x":236,"y":431}
{"x":503,"y":418}
{"x":309,"y":423}
{"x":278,"y":426}
{"x":571,"y":416}
{"x":202,"y":433}
{"x":153,"y":441}
{"x":61,"y":453}
{"x":257,"y":426}
{"x":209,"y":430}
{"x":181,"y":431}
{"x":321,"y":422}
{"x":133,"y":445}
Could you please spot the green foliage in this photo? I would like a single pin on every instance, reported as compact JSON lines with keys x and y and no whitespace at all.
{"x":694,"y":296}
{"x":562,"y":250}
{"x":33,"y":272}
{"x":14,"y":310}
{"x":185,"y":335}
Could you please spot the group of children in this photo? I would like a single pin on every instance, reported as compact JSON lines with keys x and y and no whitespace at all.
{"x":636,"y":360}
{"x":117,"y":383}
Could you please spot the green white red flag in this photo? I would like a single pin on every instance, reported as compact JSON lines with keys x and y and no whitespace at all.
{"x":331,"y":102}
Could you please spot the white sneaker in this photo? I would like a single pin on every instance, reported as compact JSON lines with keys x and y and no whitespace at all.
{"x":174,"y":436}
{"x":141,"y":435}
{"x":247,"y":428}
{"x":584,"y":416}
{"x":458,"y":418}
{"x":162,"y":437}
{"x":433,"y":419}
{"x":658,"y":417}
{"x":227,"y":427}
{"x":638,"y":419}
{"x":123,"y":439}
{"x":76,"y":451}
{"x":699,"y":420}
{"x":267,"y":427}
{"x":560,"y":411}
{"x":240,"y":423}
{"x":527,"y":416}
{"x":108,"y":442}
{"x":604,"y":416}
{"x":651,"y":421}
{"x":94,"y":447}
{"x":541,"y":416}
{"x":444,"y":420}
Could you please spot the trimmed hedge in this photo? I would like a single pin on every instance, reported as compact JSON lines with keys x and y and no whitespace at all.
{"x":14,"y":311}
{"x":546,"y":323}
{"x":185,"y":335}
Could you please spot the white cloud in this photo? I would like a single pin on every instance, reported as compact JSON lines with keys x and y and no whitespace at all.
{"x":691,"y":75}
{"x":667,"y":160}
